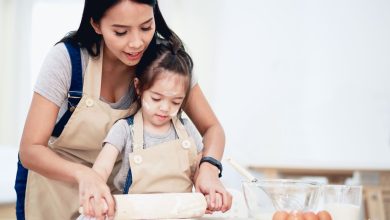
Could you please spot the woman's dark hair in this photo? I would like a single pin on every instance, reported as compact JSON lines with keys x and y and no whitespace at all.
{"x":168,"y":57}
{"x":86,"y":37}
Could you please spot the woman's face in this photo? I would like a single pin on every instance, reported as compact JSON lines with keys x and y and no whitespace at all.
{"x":127,"y":29}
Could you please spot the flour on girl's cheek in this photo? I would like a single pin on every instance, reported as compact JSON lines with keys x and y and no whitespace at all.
{"x":170,"y":93}
{"x":145,"y":104}
{"x":174,"y":113}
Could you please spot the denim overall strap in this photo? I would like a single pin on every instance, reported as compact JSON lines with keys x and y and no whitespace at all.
{"x":130,"y":120}
{"x":129,"y":178}
{"x":20,"y":188}
{"x":75,"y":90}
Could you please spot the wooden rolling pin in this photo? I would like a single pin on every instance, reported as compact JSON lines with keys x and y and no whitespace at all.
{"x":159,"y":206}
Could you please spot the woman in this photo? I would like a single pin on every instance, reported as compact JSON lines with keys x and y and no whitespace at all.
{"x":113,"y":36}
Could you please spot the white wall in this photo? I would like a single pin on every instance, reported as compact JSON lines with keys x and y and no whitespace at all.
{"x":14,"y":67}
{"x":305,"y":83}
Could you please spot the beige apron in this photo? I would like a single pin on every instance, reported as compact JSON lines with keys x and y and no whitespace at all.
{"x":164,"y":168}
{"x":80,"y":142}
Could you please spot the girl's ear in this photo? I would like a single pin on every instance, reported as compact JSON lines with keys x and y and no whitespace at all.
{"x":95,"y":26}
{"x":136,"y":85}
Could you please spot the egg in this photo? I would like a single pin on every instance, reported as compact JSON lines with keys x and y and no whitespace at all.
{"x":296,"y":216}
{"x":280,"y":215}
{"x":324,"y":215}
{"x":310,"y":216}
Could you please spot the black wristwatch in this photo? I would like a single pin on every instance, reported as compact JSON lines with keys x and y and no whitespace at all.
{"x":214,"y":162}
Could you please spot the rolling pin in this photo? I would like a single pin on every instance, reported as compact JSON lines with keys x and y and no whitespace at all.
{"x":159,"y":206}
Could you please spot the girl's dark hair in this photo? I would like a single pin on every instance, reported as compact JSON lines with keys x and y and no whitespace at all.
{"x":86,"y":37}
{"x":168,"y":57}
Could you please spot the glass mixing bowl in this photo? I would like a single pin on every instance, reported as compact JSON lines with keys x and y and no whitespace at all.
{"x":265,"y":197}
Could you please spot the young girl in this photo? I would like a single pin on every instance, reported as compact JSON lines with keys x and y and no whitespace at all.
{"x":159,"y":150}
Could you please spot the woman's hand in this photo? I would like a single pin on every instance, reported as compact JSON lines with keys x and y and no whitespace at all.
{"x":208,"y":183}
{"x":95,"y":196}
{"x":206,"y":179}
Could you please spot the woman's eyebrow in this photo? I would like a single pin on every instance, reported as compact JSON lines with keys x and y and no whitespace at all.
{"x":147,"y":21}
{"x":127,"y":26}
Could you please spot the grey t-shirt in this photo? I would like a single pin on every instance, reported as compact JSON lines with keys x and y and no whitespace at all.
{"x":54,"y":79}
{"x":120,"y":136}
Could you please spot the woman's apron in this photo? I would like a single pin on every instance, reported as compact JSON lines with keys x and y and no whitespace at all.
{"x":79,"y":142}
{"x":164,"y":168}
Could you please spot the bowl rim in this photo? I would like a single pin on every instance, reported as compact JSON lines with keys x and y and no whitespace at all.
{"x":280,"y":181}
{"x":341,"y":186}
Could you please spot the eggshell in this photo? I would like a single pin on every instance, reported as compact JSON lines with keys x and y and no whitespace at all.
{"x":280,"y":215}
{"x":310,"y":216}
{"x":296,"y":216}
{"x":324,"y":215}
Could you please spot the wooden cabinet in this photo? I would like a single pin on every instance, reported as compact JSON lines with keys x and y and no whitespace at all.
{"x":374,"y":203}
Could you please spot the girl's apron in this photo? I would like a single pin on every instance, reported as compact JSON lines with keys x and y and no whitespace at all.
{"x":164,"y":168}
{"x":79,"y":142}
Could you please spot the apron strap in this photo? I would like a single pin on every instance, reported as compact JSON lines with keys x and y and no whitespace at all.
{"x":93,"y":75}
{"x":179,"y":127}
{"x":138,"y":132}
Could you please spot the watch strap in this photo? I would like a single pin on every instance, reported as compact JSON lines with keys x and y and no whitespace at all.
{"x":214,"y":162}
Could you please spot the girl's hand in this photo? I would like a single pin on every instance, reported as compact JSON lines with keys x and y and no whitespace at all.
{"x":95,"y":196}
{"x":218,"y":203}
{"x":208,"y":183}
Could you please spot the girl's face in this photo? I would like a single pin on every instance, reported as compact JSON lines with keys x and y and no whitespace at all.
{"x":127,"y":29}
{"x":163,"y":99}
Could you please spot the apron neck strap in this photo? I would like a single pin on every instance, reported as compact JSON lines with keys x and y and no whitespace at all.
{"x":93,"y":75}
{"x":138,"y":131}
{"x":179,"y":127}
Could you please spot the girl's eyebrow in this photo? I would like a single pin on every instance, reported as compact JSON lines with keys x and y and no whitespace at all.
{"x":126,"y":26}
{"x":160,"y":94}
